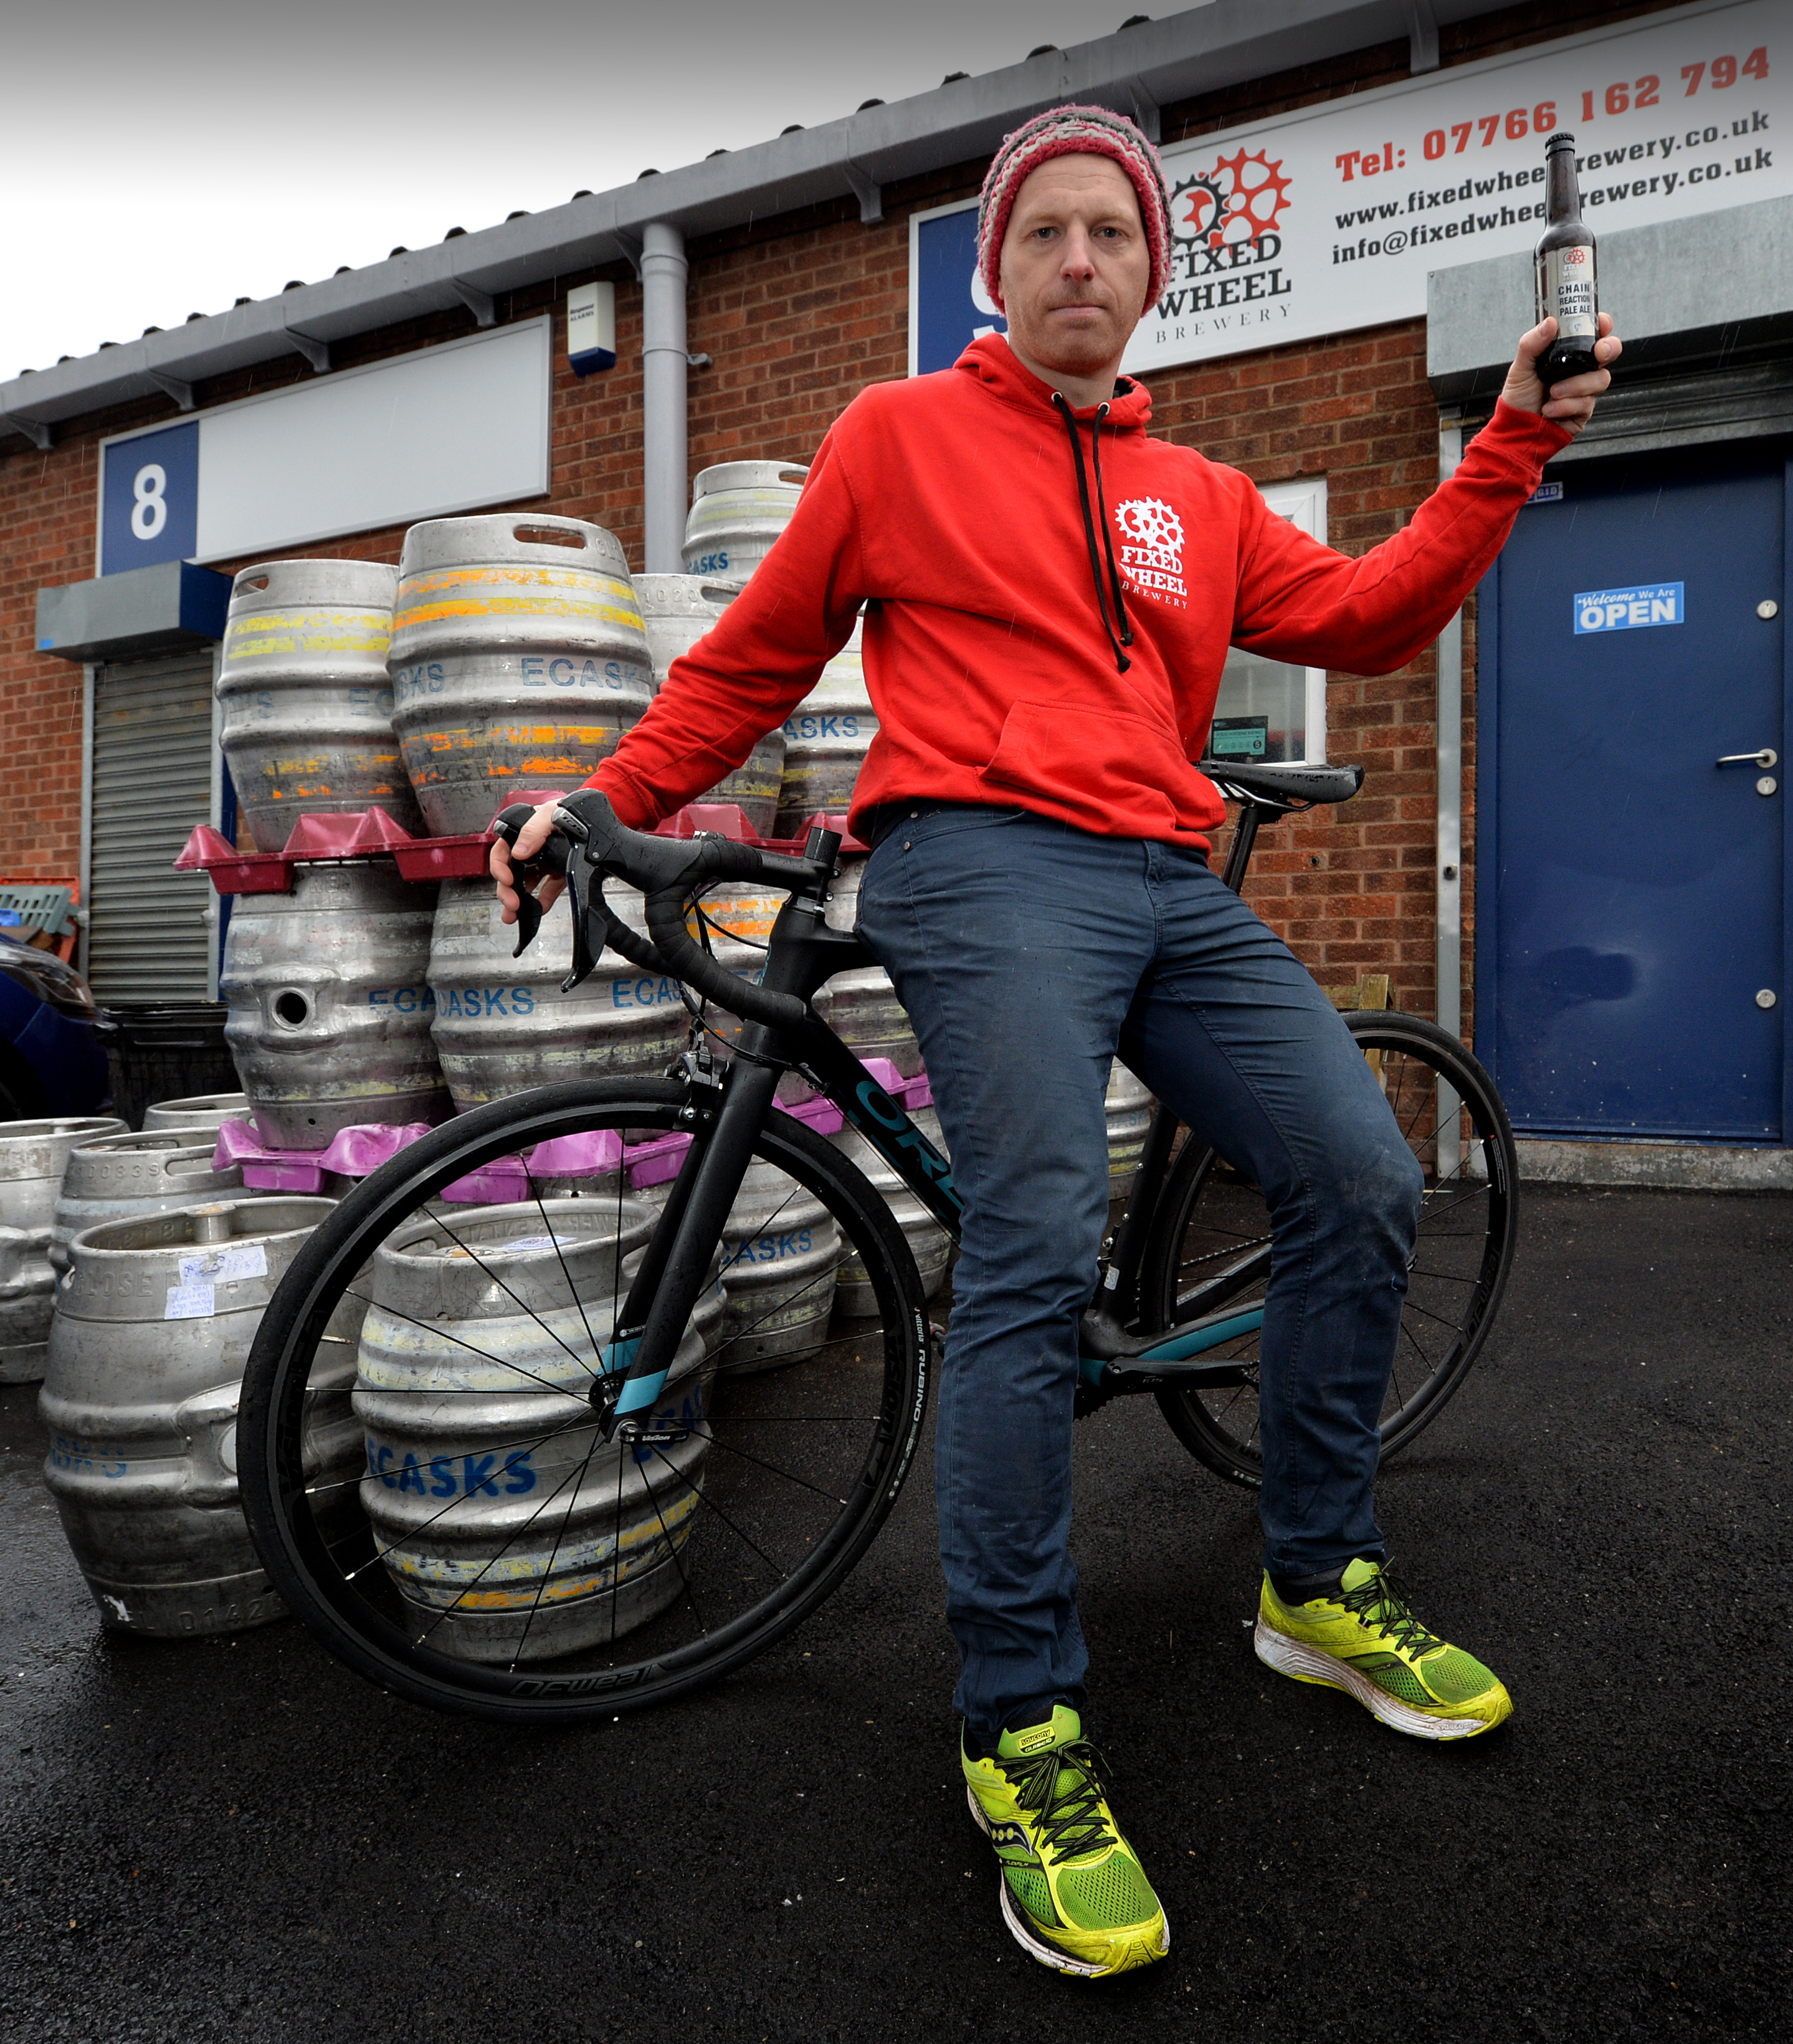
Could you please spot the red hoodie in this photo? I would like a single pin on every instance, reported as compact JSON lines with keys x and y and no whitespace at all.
{"x":950,"y":503}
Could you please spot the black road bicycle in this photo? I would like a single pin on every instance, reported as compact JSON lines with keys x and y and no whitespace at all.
{"x":585,"y":1447}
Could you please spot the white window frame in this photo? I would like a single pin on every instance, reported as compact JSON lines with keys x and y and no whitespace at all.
{"x":1303,"y":503}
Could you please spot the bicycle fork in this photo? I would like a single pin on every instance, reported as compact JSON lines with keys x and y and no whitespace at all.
{"x":723,"y":1122}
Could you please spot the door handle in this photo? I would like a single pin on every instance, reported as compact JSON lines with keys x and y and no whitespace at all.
{"x":1767,"y":757}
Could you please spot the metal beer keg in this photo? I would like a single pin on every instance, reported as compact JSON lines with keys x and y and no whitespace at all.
{"x":330,"y":1006}
{"x":781,"y":1250}
{"x":862,"y":1007}
{"x":676,"y":611}
{"x":827,"y":738}
{"x":202,"y":1110}
{"x":518,"y":660}
{"x":121,"y":1177}
{"x":307,"y":705}
{"x":152,"y":1330}
{"x":33,"y":1156}
{"x":738,"y":510}
{"x":502,"y":1024}
{"x":1128,"y":1109}
{"x":929,"y":1242}
{"x":509,"y":1527}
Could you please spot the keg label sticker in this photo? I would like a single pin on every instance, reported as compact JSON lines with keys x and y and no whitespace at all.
{"x":189,"y":1302}
{"x":223,"y":1266}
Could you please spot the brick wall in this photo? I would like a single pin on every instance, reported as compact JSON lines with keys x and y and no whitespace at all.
{"x":800,"y":313}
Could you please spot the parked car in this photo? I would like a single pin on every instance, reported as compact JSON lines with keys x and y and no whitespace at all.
{"x":51,"y":1062}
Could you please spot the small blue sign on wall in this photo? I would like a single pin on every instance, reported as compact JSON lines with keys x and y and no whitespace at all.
{"x":149,"y":499}
{"x":1626,"y":609}
{"x":948,"y":307}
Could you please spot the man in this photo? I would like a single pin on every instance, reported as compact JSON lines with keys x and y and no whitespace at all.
{"x":1039,"y":893}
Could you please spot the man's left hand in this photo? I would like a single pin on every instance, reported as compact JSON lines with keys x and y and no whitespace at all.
{"x":1569,"y":404}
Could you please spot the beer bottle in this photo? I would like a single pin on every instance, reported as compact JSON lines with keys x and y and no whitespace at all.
{"x":1566,"y":283}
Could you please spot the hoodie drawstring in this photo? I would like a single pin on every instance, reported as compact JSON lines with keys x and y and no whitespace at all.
{"x":1120,"y":624}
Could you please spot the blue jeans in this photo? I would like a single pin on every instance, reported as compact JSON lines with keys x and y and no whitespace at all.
{"x":1027,"y":954}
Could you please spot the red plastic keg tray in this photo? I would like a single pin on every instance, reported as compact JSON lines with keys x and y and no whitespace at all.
{"x":372,"y":834}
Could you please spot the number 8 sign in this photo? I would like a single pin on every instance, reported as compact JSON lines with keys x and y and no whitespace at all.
{"x":149,"y":499}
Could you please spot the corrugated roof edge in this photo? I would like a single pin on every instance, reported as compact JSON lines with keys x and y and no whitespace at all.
{"x":1136,"y":70}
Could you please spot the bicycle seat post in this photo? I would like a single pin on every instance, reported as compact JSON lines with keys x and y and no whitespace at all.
{"x":1244,"y":835}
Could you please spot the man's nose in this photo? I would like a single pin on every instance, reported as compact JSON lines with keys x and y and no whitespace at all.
{"x":1079,"y":258}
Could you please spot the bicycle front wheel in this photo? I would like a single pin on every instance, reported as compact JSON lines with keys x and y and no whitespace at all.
{"x":421,"y":1466}
{"x":1212,"y":1220}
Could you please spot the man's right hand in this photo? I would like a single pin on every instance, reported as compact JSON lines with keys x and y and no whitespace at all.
{"x":530,"y":839}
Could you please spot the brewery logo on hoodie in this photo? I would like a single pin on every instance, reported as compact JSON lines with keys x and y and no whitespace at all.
{"x":1151,"y":552}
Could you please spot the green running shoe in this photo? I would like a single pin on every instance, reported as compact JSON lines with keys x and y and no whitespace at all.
{"x":1363,"y":1639}
{"x":1072,"y":1888}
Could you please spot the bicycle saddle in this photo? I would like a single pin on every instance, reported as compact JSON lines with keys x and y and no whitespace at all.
{"x":1284,"y":787}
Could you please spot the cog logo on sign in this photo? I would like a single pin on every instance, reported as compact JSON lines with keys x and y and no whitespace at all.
{"x":1241,"y":197}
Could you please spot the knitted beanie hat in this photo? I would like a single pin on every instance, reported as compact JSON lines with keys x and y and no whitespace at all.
{"x":1069,"y":131}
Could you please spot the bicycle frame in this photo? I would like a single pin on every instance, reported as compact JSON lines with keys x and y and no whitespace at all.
{"x":802,"y":954}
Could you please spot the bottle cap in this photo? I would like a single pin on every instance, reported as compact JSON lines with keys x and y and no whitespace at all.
{"x":1564,"y":140}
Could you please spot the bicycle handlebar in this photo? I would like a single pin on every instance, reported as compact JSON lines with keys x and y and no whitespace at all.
{"x":588,"y":845}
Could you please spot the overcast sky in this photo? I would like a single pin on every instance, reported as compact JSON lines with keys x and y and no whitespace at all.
{"x":163,"y":157}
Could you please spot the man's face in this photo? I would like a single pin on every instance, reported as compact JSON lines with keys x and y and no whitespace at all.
{"x":1075,"y":265}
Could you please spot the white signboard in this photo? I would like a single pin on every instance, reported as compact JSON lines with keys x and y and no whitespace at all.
{"x":449,"y":428}
{"x":1327,"y":220}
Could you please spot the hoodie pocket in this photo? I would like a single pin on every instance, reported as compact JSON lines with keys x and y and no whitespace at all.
{"x":1109,"y":768}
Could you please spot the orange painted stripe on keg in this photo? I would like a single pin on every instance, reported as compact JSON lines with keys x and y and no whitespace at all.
{"x":435,"y":613}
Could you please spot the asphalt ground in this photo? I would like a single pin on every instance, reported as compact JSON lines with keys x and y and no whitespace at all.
{"x":239,"y":1840}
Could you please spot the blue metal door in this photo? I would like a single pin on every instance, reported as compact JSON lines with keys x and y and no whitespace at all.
{"x":1631,"y":948}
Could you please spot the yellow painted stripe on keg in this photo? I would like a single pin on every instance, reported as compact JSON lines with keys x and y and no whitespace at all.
{"x":436,"y":613}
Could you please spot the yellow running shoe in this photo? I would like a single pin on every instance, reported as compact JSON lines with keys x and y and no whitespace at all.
{"x":1364,"y":1639}
{"x":1072,"y":1888}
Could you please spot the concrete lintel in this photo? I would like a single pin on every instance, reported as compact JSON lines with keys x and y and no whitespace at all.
{"x":1669,"y":285}
{"x":1705,"y":1167}
{"x":157,"y":610}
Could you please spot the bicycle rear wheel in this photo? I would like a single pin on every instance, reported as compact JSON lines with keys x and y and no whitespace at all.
{"x":1212,"y":1220}
{"x":424,"y":1473}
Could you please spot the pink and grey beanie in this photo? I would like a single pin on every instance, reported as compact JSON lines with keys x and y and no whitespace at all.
{"x":1073,"y":131}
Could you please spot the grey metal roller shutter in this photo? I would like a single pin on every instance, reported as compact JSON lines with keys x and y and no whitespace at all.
{"x":148,"y":939}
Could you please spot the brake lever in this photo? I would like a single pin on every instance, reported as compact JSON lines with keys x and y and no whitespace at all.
{"x":554,"y":857}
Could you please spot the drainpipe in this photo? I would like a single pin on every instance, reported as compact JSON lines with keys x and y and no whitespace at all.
{"x":1448,"y":872}
{"x":664,"y":364}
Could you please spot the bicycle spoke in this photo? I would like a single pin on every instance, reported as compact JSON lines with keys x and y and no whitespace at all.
{"x":790,"y":1476}
{"x":510,"y":1540}
{"x":572,"y":1288}
{"x":410,"y":1532}
{"x":554,"y":1556}
{"x":509,"y":1293}
{"x":436,"y":1327}
{"x":733,"y":1528}
{"x":423,"y":1469}
{"x":672,"y":1548}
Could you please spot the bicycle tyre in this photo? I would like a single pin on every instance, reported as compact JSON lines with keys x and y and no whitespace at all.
{"x":1206,"y":1211}
{"x":318,"y":1539}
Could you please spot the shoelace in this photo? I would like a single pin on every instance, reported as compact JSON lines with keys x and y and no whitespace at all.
{"x":1071,"y":1822}
{"x":1382,"y":1601}
{"x":1123,"y":636}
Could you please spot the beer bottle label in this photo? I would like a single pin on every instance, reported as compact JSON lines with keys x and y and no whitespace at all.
{"x":1569,"y":293}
